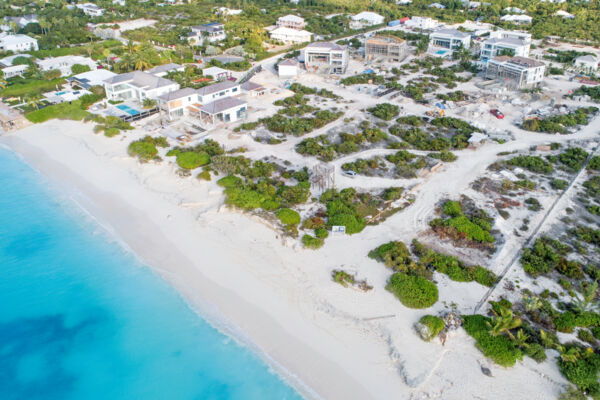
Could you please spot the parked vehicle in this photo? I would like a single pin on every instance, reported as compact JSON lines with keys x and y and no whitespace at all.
{"x":349,"y":173}
{"x":497,"y":113}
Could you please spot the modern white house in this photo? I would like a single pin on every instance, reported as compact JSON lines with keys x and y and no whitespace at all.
{"x":14,"y":70}
{"x":515,"y":72}
{"x":211,"y":32}
{"x":502,"y":34}
{"x":514,"y":10}
{"x":253,"y":89}
{"x":444,"y":41}
{"x":176,"y":104}
{"x":228,"y":11}
{"x":325,"y":58}
{"x":121,"y":3}
{"x":23,"y":20}
{"x":18,"y":43}
{"x":287,"y":68}
{"x":365,"y":18}
{"x":217,"y":91}
{"x":564,"y":14}
{"x":138,"y":86}
{"x":288,"y":35}
{"x":90,"y":9}
{"x":217,"y":73}
{"x":291,"y":21}
{"x":587,"y":64}
{"x":423,"y":23}
{"x":503,"y":46}
{"x":517,"y":19}
{"x":88,"y":79}
{"x":227,"y":109}
{"x":163,"y":70}
{"x":65,"y":63}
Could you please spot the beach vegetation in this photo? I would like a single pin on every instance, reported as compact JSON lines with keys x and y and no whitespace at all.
{"x":433,"y":325}
{"x":311,"y":242}
{"x":413,"y":291}
{"x":287,"y":216}
{"x":559,"y":123}
{"x":145,"y":149}
{"x":192,"y":160}
{"x":474,"y":227}
{"x":342,"y":277}
{"x":385,"y":111}
{"x":498,"y":348}
{"x":531,"y":163}
{"x":67,"y":110}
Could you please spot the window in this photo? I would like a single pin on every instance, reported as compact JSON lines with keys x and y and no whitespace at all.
{"x":234,"y":90}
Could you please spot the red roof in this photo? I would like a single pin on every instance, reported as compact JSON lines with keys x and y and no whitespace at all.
{"x":403,"y":20}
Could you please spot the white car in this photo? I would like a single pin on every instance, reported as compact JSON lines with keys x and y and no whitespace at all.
{"x":349,"y":173}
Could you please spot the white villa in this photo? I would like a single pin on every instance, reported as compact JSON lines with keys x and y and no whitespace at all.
{"x":445,"y":41}
{"x":515,"y":72}
{"x":423,"y":23}
{"x":88,"y":79}
{"x":504,"y":46}
{"x":212,"y":32}
{"x":287,"y":68}
{"x":217,"y":73}
{"x":587,"y":64}
{"x":502,"y":34}
{"x":288,"y":35}
{"x":163,"y":70}
{"x":90,"y":9}
{"x":14,"y":70}
{"x":326,"y":57}
{"x":18,"y":43}
{"x":366,"y":18}
{"x":228,"y":109}
{"x":137,"y":85}
{"x":291,"y":21}
{"x":517,"y":19}
{"x":65,"y":63}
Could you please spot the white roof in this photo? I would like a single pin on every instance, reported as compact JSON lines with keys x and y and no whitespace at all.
{"x":9,"y":60}
{"x":587,"y":59}
{"x":290,"y":32}
{"x":291,"y":18}
{"x":93,"y":78}
{"x":213,"y":71}
{"x":563,"y":13}
{"x":367,"y":15}
{"x":516,"y":18}
{"x":15,"y":68}
{"x":68,"y":60}
{"x":16,"y":39}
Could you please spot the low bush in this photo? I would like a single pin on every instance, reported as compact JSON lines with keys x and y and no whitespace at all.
{"x":385,"y":111}
{"x":192,"y":160}
{"x":311,"y":242}
{"x":145,"y":149}
{"x":536,"y":351}
{"x":434,"y":325}
{"x":499,"y":349}
{"x":583,"y":371}
{"x":532,"y":163}
{"x":288,"y":216}
{"x":413,"y":291}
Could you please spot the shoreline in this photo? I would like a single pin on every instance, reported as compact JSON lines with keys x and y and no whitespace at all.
{"x":324,"y":340}
{"x":98,"y":207}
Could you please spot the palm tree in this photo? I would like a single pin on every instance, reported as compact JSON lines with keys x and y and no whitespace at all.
{"x":34,"y":101}
{"x":131,"y":47}
{"x":503,"y":323}
{"x":141,"y":63}
{"x":569,"y":355}
{"x":127,"y":62}
{"x":521,"y":339}
{"x":149,"y":103}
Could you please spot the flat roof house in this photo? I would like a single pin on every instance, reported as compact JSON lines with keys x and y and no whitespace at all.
{"x":502,"y":34}
{"x":502,"y":47}
{"x":217,"y":73}
{"x":88,"y":79}
{"x":213,"y":32}
{"x":517,"y":19}
{"x":449,"y":39}
{"x":14,"y":70}
{"x":253,"y":89}
{"x":515,"y":72}
{"x":366,"y":18}
{"x":137,"y":85}
{"x":175,"y":104}
{"x":65,"y":63}
{"x":288,"y":35}
{"x":218,"y":90}
{"x":90,"y":9}
{"x":422,"y":23}
{"x":18,"y":43}
{"x":291,"y":21}
{"x":326,"y":58}
{"x":163,"y":70}
{"x":385,"y":47}
{"x":228,"y":109}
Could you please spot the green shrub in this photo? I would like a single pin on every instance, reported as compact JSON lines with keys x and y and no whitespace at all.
{"x":230,"y":181}
{"x":385,"y":111}
{"x":413,"y":291}
{"x":321,"y":232}
{"x":434,"y":325}
{"x":288,"y":216}
{"x":143,"y":150}
{"x":342,"y":277}
{"x":559,"y":184}
{"x":586,"y":336}
{"x":582,"y":372}
{"x":531,"y":163}
{"x":536,"y":351}
{"x":540,"y":259}
{"x":499,"y":349}
{"x":311,"y":242}
{"x":452,"y":208}
{"x":204,"y":175}
{"x":192,"y":160}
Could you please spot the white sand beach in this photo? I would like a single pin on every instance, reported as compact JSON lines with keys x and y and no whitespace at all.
{"x":236,"y":271}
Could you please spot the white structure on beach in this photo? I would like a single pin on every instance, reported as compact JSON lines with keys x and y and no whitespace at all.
{"x":88,"y":79}
{"x":326,"y":58}
{"x":515,"y":72}
{"x":287,"y":68}
{"x":14,"y":70}
{"x":587,"y":64}
{"x":445,"y":41}
{"x":138,"y":85}
{"x":423,"y":23}
{"x":502,"y":34}
{"x":217,"y":73}
{"x":65,"y":63}
{"x":365,"y":18}
{"x":291,"y":21}
{"x":18,"y":43}
{"x":504,"y":46}
{"x":288,"y":35}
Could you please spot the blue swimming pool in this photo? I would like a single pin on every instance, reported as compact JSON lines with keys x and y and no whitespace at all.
{"x":440,"y":52}
{"x":60,"y":93}
{"x":127,"y":109}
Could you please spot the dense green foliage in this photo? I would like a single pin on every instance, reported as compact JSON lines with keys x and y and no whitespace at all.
{"x":413,"y":291}
{"x":531,"y":163}
{"x":385,"y":111}
{"x":558,"y":123}
{"x":499,"y":349}
{"x":145,"y":149}
{"x":434,"y":325}
{"x":288,"y":216}
{"x":475,"y":227}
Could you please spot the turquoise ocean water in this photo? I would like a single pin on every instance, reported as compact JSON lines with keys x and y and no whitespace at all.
{"x":81,"y":318}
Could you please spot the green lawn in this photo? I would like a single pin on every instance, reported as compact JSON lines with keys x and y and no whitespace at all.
{"x":64,"y":110}
{"x":31,"y":88}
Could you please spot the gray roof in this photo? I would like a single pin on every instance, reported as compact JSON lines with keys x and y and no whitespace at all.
{"x":221,"y":105}
{"x":508,"y":40}
{"x":326,"y":45}
{"x":290,"y":61}
{"x":164,"y":68}
{"x":178,"y":94}
{"x":217,"y":87}
{"x":248,"y":86}
{"x":210,"y":27}
{"x":140,"y":79}
{"x":589,"y":58}
{"x":452,"y":32}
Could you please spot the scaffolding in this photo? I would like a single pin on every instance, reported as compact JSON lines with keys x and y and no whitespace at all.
{"x":323,"y":177}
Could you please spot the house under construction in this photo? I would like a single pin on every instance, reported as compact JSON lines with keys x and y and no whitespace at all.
{"x":385,"y":48}
{"x":515,"y":72}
